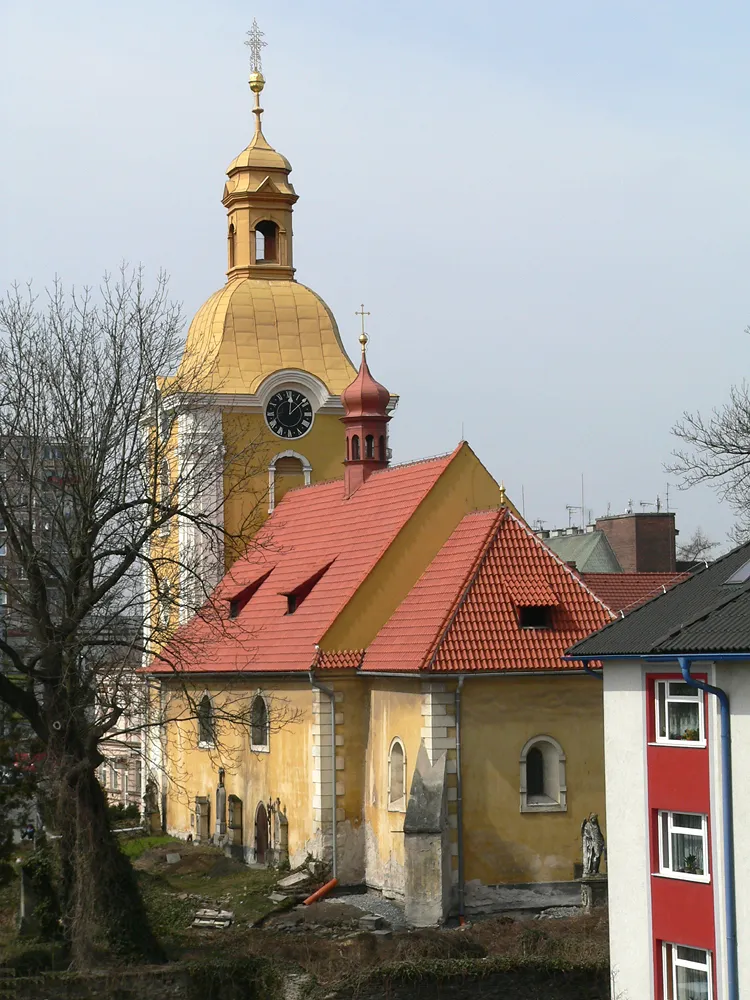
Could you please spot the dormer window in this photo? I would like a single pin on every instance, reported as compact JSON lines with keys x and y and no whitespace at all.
{"x":266,"y":242}
{"x":535,"y":616}
{"x":297,"y":595}
{"x":238,"y":602}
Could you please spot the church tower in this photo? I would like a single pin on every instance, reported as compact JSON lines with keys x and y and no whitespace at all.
{"x":366,"y":421}
{"x":264,"y":351}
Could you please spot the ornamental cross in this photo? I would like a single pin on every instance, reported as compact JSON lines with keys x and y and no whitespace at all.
{"x":361,"y":312}
{"x":256,"y":44}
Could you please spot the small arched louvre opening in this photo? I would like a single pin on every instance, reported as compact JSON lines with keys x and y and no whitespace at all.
{"x":355,"y":447}
{"x":259,"y":727}
{"x":543,"y":776}
{"x":206,"y":726}
{"x":369,"y":446}
{"x":266,"y":242}
{"x":231,"y":239}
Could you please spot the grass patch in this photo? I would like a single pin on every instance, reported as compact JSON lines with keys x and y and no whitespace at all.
{"x":134,"y":847}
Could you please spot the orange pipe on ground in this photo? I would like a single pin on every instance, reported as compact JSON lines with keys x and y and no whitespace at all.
{"x":322,"y":891}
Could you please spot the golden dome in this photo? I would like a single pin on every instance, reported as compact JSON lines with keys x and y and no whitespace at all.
{"x":252,"y":328}
{"x":259,"y":155}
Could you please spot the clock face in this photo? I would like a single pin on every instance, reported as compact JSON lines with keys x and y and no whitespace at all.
{"x":289,"y":413}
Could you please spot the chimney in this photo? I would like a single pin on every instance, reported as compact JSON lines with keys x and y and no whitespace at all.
{"x":643,"y":543}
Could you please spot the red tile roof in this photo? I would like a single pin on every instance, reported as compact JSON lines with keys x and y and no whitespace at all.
{"x":462,"y":613}
{"x":311,"y":527}
{"x":627,"y":591}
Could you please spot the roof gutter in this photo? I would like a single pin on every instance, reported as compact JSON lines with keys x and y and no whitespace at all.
{"x":460,"y":806}
{"x":730,"y":893}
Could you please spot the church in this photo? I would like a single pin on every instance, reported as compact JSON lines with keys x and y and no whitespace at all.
{"x":395,"y":633}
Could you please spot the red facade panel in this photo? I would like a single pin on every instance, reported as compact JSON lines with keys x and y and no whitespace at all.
{"x":682,"y":910}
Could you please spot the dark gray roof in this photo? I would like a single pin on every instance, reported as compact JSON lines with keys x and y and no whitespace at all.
{"x":591,"y":552}
{"x":703,"y":614}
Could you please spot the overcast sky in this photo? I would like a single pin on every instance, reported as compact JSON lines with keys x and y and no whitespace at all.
{"x":544,"y":205}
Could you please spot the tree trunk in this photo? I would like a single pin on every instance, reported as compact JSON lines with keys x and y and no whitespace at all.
{"x":104,"y":915}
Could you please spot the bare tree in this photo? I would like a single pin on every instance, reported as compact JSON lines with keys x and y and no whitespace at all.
{"x":697,"y":548}
{"x":112,"y":485}
{"x":718,"y":453}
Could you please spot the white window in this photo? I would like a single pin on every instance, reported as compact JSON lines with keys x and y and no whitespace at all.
{"x":543,"y":782}
{"x":683,"y":845}
{"x":679,"y":713}
{"x":397,"y":776}
{"x":687,"y":973}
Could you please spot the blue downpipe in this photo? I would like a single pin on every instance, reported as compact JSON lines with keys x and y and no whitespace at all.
{"x":727,"y":822}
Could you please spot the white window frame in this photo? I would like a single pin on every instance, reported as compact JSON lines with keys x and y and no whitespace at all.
{"x":553,"y":754}
{"x":397,"y":805}
{"x":678,"y":699}
{"x":260,"y":747}
{"x":670,"y":958}
{"x":672,"y":828}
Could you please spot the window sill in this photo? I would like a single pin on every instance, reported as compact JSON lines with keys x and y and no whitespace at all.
{"x":265,"y":748}
{"x":543,"y":807}
{"x":691,"y":744}
{"x":206,"y":746}
{"x":397,"y":807}
{"x":682,"y":877}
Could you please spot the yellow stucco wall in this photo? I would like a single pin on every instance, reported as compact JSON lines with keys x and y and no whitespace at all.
{"x":395,"y":710}
{"x":463,"y":487}
{"x":247,"y":434}
{"x":499,"y":716}
{"x":284,"y":772}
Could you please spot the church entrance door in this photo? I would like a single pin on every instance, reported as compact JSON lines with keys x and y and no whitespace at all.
{"x":261,"y":834}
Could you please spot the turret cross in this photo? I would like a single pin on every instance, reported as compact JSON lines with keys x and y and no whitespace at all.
{"x":361,"y":312}
{"x":256,"y":44}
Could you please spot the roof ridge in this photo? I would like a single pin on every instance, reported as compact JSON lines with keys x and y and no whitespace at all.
{"x":416,"y":461}
{"x":577,"y":576}
{"x":463,"y":593}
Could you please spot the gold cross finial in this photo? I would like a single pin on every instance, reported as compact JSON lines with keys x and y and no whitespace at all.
{"x":256,"y":45}
{"x":363,"y":338}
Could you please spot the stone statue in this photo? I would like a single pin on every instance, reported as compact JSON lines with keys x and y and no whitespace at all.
{"x":221,"y":806}
{"x":593,"y":845}
{"x":151,"y":814}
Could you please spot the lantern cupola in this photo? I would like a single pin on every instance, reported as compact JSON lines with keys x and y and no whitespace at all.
{"x":366,"y":404}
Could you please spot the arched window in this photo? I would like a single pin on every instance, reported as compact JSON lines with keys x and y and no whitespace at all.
{"x":369,"y":446}
{"x":266,"y":242}
{"x":543,"y":787}
{"x":165,"y":489}
{"x":347,"y":449}
{"x":165,"y":604}
{"x":355,"y":447}
{"x":206,"y":726}
{"x":231,"y":244}
{"x":381,"y":448}
{"x":397,"y":777}
{"x":259,"y":724}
